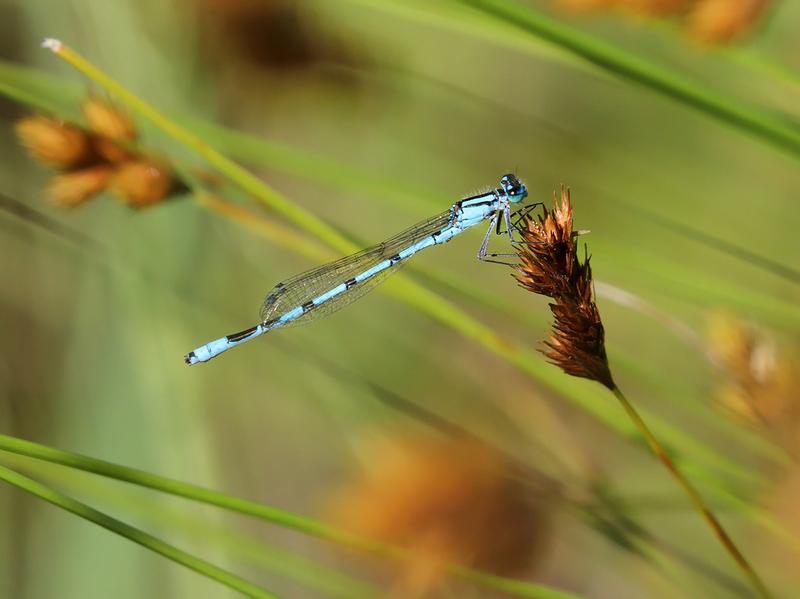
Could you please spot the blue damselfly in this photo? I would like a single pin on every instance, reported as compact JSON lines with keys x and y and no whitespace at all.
{"x":327,"y":288}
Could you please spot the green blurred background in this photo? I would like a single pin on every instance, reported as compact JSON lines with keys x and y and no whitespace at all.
{"x":377,"y":114}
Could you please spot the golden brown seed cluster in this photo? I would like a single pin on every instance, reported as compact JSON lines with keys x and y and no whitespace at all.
{"x":713,"y":21}
{"x":761,"y":382}
{"x":549,"y":265}
{"x":101,"y":156}
{"x":448,"y":501}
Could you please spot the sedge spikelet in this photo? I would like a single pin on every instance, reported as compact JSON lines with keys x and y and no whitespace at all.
{"x":550,"y":266}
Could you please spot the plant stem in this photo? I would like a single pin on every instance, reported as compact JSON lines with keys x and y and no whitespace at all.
{"x":283,"y":518}
{"x":247,"y":181}
{"x":133,"y":534}
{"x":631,"y":67}
{"x":693,"y":494}
{"x":410,"y":292}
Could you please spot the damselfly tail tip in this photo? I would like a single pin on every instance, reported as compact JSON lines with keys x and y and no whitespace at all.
{"x":190,"y":358}
{"x":52,"y":44}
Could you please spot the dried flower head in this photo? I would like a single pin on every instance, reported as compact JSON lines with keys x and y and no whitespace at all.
{"x":108,"y":120}
{"x":718,"y":21}
{"x":105,"y":157}
{"x":75,"y":187}
{"x":549,"y":266}
{"x":109,"y":151}
{"x":53,"y":141}
{"x":761,"y":382}
{"x":656,"y":7}
{"x":142,"y":183}
{"x":450,"y":502}
{"x":713,"y":21}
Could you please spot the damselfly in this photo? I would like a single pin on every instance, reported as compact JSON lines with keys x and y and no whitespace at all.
{"x":325,"y":289}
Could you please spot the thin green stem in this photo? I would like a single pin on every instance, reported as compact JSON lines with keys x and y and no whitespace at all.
{"x":402,"y":288}
{"x":642,"y":72}
{"x":695,"y":497}
{"x":240,"y":176}
{"x":267,"y":513}
{"x":142,"y":538}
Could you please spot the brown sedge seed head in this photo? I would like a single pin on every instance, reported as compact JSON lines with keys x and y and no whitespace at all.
{"x":75,"y":187}
{"x":53,"y":141}
{"x":108,"y":120}
{"x":448,"y":501}
{"x":721,"y":21}
{"x":549,"y":265}
{"x":142,"y":183}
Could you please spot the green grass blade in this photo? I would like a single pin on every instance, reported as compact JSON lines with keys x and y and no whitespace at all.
{"x":428,"y":302}
{"x":402,"y":288}
{"x":643,"y":72}
{"x":131,"y":533}
{"x":267,"y":513}
{"x":249,"y":548}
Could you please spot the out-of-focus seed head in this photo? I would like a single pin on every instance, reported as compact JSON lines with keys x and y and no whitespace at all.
{"x":108,"y":120}
{"x":711,"y":21}
{"x":110,"y":151}
{"x":448,"y":501}
{"x":549,"y":266}
{"x":719,"y":21}
{"x":761,"y":383}
{"x":656,"y":7}
{"x":142,"y":183}
{"x":53,"y":141}
{"x":75,"y":187}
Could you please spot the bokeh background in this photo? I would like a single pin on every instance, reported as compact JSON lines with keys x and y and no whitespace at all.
{"x":373,"y":115}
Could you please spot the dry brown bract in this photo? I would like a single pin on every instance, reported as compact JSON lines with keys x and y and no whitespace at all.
{"x":761,"y":379}
{"x":549,"y":265}
{"x":711,"y":21}
{"x":100,"y":156}
{"x":448,"y":501}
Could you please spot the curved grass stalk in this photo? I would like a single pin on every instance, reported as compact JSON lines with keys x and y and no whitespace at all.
{"x":240,"y":176}
{"x":131,"y":533}
{"x":197,"y":529}
{"x":282,"y":518}
{"x":401,"y":287}
{"x":459,"y":320}
{"x":642,"y":72}
{"x":758,"y":515}
{"x":45,"y":92}
{"x":695,"y":497}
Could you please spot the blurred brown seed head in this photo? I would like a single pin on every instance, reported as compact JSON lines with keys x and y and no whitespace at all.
{"x":762,"y":381}
{"x":142,"y":183}
{"x":719,"y":21}
{"x":91,"y":161}
{"x":657,"y":7}
{"x":449,"y":501}
{"x":73,"y":188}
{"x":110,"y":151}
{"x":108,"y":120}
{"x":549,"y":266}
{"x":53,"y":141}
{"x":712,"y":21}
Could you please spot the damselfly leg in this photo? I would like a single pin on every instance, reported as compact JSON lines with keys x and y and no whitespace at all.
{"x":512,"y":222}
{"x":494,"y":227}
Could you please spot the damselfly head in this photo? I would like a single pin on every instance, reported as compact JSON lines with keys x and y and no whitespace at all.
{"x":514,"y":188}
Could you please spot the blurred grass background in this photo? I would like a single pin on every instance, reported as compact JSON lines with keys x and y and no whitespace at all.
{"x":374,"y":115}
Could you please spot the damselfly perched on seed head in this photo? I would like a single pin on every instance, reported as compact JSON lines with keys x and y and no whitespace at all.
{"x":327,"y":288}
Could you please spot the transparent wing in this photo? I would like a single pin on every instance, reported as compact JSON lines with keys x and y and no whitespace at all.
{"x":304,"y":287}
